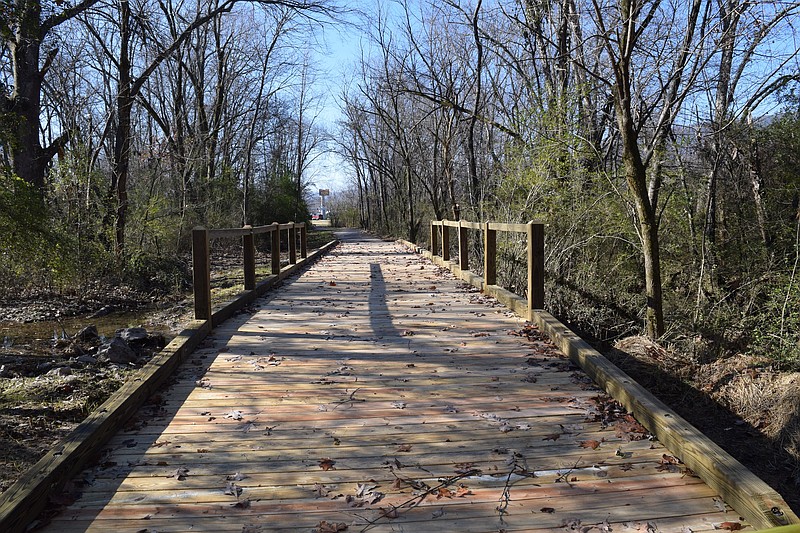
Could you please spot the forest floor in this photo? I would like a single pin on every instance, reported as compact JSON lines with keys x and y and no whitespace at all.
{"x":741,"y":402}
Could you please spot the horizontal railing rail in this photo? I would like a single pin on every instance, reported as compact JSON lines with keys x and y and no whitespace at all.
{"x":201,"y":256}
{"x":534,"y":230}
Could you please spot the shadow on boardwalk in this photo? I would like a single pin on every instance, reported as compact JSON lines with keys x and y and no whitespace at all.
{"x":373,"y":392}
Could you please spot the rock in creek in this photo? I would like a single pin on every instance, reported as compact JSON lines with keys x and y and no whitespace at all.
{"x":117,"y":351}
{"x":131,"y":335}
{"x":88,"y":334}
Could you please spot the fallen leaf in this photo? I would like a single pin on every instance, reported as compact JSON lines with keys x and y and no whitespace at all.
{"x":180,"y":474}
{"x":235,"y":477}
{"x":242,"y":504}
{"x":404,"y":448}
{"x":332,"y":283}
{"x":389,"y":513}
{"x":399,"y":405}
{"x":593,"y":444}
{"x":444,"y":492}
{"x":321,"y":490}
{"x":330,"y":527}
{"x":463,"y":491}
{"x":235,"y":415}
{"x":233,"y":489}
{"x":730,"y":526}
{"x":438,"y":513}
{"x":547,"y":510}
{"x":552,"y":436}
{"x":407,"y":333}
{"x":327,"y":464}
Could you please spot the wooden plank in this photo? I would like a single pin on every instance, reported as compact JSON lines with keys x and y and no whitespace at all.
{"x":489,"y":255}
{"x":201,"y":274}
{"x":249,"y":257}
{"x":511,"y":228}
{"x":292,"y":245}
{"x":275,"y":251}
{"x":470,"y":225}
{"x":535,"y":267}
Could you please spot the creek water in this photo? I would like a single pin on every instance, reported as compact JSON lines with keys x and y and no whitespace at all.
{"x":37,"y":338}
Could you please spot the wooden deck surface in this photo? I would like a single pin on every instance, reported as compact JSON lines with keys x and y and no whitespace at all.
{"x":376,"y":393}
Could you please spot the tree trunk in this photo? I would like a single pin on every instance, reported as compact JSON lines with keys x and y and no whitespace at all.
{"x":122,"y":137}
{"x":28,"y":159}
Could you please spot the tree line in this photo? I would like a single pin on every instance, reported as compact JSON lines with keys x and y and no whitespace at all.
{"x":656,"y":138}
{"x":124,"y":123}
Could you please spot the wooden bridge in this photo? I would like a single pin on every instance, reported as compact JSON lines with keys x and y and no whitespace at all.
{"x":375,"y":391}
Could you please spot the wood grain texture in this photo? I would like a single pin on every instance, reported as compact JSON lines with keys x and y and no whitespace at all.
{"x":761,"y":505}
{"x":377,"y":391}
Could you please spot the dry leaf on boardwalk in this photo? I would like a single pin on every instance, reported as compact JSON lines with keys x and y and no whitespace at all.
{"x":330,"y":527}
{"x":233,"y":489}
{"x":180,"y":474}
{"x":593,"y":444}
{"x":365,"y":495}
{"x":234,"y":415}
{"x":327,"y":464}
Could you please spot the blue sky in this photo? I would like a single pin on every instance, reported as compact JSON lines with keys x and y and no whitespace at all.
{"x":338,"y":54}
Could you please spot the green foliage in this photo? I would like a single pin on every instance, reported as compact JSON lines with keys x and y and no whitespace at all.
{"x":32,"y":251}
{"x":277,"y":201}
{"x":158,"y":273}
{"x":776,"y":327}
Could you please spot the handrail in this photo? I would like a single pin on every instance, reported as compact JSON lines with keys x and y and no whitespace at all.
{"x":440,"y":236}
{"x":201,"y":256}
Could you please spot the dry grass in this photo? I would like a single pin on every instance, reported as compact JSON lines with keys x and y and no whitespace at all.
{"x":741,"y":401}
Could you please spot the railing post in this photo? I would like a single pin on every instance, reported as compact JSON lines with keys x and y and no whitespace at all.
{"x":463,"y":247}
{"x":292,"y":244}
{"x":445,"y":241}
{"x":535,"y":267}
{"x":249,"y":253}
{"x":276,"y":248}
{"x":434,"y":237}
{"x":489,"y":255}
{"x":201,"y":274}
{"x":304,"y":240}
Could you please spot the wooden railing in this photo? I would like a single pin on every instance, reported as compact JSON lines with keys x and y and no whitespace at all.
{"x":534,"y":231}
{"x":201,"y":256}
{"x":21,"y":503}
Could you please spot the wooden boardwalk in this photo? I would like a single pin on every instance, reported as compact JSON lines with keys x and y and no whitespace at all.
{"x":376,"y":393}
